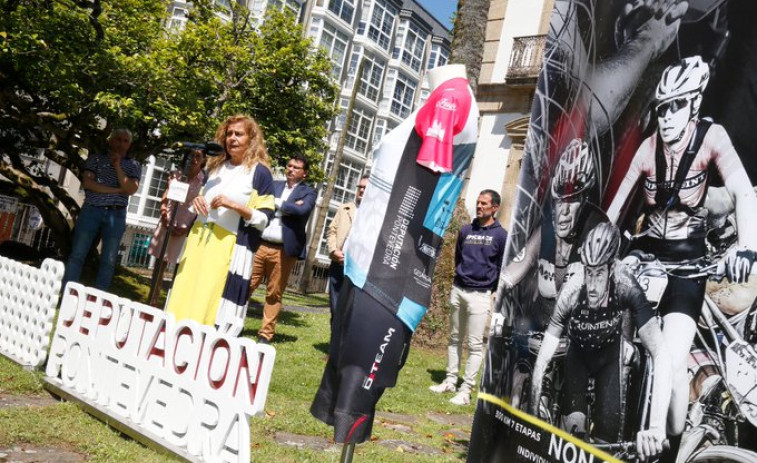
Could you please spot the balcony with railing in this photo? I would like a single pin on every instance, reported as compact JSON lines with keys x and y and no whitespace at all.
{"x":525,"y":60}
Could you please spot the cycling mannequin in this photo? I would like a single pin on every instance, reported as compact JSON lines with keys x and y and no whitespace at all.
{"x":591,"y":306}
{"x":673,"y":166}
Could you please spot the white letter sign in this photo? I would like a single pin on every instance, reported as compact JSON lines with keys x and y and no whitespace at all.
{"x":181,"y":384}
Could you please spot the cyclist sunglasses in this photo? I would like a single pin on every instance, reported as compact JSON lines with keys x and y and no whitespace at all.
{"x":673,"y":105}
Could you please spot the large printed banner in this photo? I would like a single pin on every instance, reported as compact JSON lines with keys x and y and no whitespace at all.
{"x":182,"y":385}
{"x":626,"y":321}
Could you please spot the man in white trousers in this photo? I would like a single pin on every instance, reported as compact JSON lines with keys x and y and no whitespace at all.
{"x":478,"y":259}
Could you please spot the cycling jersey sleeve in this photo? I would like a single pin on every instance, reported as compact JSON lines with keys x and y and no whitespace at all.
{"x":628,"y":183}
{"x":631,"y":296}
{"x":566,"y":303}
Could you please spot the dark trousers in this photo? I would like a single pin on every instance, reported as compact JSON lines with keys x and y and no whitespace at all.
{"x":110,"y":223}
{"x":336,"y":278}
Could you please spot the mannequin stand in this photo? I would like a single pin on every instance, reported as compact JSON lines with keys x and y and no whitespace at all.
{"x":348,"y":450}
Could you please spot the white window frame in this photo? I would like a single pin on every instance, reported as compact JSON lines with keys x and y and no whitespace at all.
{"x":359,"y":130}
{"x":330,"y":37}
{"x":343,"y":9}
{"x":290,"y":5}
{"x":439,"y":56}
{"x":178,"y":18}
{"x":413,"y":48}
{"x":402,"y":104}
{"x":381,"y":24}
{"x":152,"y":189}
{"x":373,"y":75}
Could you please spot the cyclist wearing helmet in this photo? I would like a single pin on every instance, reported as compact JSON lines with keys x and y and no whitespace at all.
{"x":555,"y":247}
{"x":573,"y":215}
{"x":673,"y":166}
{"x":591,"y":306}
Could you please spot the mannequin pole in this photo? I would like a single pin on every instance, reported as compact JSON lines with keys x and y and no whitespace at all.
{"x":347,"y":451}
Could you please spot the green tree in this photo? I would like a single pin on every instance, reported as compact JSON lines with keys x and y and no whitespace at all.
{"x":72,"y":71}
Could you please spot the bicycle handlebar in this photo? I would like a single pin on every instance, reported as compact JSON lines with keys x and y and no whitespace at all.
{"x":689,"y":269}
{"x":627,"y":447}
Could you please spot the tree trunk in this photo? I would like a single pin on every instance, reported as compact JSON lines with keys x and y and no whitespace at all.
{"x":467,"y":49}
{"x":468,"y":37}
{"x":30,"y":190}
{"x":323,"y":209}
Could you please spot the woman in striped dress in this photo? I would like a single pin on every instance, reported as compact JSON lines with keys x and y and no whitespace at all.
{"x":213,"y":279}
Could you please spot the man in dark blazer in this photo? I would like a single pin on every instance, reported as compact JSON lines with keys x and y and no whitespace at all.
{"x":283,"y":241}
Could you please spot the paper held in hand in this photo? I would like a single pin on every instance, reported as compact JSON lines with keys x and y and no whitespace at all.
{"x":177,"y":191}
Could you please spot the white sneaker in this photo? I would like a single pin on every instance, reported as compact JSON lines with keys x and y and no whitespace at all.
{"x":461,"y":398}
{"x":444,"y":386}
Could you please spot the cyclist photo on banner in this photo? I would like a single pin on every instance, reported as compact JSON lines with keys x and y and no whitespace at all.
{"x":552,"y":253}
{"x":643,"y":117}
{"x":673,"y":165}
{"x":590,"y":307}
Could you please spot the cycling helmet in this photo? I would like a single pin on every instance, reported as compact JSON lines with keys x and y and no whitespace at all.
{"x":574,"y":173}
{"x":687,"y":78}
{"x":600,"y":245}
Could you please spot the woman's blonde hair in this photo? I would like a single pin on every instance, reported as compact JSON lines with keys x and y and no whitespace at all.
{"x":255,"y":153}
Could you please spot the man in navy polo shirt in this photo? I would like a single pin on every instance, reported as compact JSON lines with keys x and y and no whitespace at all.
{"x":108,"y":181}
{"x":478,"y":258}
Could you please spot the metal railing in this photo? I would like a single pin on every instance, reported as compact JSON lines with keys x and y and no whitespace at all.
{"x":319,"y":281}
{"x":40,"y":239}
{"x":525,"y":59}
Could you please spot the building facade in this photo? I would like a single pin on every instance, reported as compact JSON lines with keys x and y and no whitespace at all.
{"x":397,"y":41}
{"x":513,"y":49}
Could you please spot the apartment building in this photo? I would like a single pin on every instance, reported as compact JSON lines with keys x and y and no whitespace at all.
{"x":397,"y":41}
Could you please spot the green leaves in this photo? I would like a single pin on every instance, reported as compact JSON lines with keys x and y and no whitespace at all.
{"x":112,"y":64}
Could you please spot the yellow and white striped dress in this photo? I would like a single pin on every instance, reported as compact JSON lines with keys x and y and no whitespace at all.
{"x":216,"y":264}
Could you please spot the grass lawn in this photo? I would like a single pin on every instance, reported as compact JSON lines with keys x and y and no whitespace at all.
{"x":301,"y":345}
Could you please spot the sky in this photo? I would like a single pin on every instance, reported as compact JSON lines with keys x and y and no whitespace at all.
{"x":440,"y":9}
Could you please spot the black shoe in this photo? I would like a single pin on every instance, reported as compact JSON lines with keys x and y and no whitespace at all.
{"x":262,"y":340}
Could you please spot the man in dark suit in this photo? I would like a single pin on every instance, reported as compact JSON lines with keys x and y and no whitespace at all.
{"x":283,"y":241}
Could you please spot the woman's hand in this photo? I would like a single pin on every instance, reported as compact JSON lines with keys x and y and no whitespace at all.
{"x":200,"y":205}
{"x":222,"y":201}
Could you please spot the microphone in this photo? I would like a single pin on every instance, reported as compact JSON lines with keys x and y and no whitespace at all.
{"x":209,"y":148}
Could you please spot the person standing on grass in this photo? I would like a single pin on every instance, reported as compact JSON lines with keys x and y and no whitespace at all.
{"x":478,"y":258}
{"x":233,"y":208}
{"x":182,"y":221}
{"x":108,"y":181}
{"x":336,"y":235}
{"x":283,"y":241}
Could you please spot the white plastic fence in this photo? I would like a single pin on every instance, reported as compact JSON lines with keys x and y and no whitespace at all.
{"x":28,"y":297}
